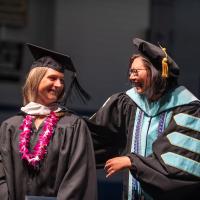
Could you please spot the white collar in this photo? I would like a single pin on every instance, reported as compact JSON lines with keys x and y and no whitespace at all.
{"x":33,"y":108}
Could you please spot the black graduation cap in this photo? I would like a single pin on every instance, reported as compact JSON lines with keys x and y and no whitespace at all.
{"x":60,"y":62}
{"x":48,"y":58}
{"x":158,"y":57}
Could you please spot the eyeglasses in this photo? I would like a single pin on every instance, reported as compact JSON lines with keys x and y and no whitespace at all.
{"x":135,"y":71}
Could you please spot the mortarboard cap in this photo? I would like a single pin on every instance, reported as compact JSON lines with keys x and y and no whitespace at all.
{"x":48,"y":58}
{"x":60,"y":62}
{"x":158,"y":57}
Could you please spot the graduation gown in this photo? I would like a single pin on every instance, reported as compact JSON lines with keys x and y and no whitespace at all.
{"x":67,"y":172}
{"x":161,"y":138}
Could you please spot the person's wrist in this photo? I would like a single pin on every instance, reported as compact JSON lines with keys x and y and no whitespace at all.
{"x":129,"y":161}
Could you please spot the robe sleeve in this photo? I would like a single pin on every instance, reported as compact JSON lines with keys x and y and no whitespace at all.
{"x":3,"y":183}
{"x":79,"y":181}
{"x":109,"y":127}
{"x":174,"y":167}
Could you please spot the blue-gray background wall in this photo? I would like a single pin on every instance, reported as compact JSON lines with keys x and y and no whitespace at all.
{"x":98,"y":36}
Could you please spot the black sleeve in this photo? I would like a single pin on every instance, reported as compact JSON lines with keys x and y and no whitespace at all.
{"x":157,"y":175}
{"x":79,"y":181}
{"x":109,"y":127}
{"x":3,"y":183}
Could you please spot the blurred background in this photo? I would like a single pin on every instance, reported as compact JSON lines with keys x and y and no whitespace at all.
{"x":98,"y":37}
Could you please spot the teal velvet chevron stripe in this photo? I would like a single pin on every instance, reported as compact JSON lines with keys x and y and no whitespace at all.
{"x":180,"y":162}
{"x":184,"y":141}
{"x":188,"y":121}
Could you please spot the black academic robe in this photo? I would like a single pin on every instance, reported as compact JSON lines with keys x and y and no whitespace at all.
{"x":112,"y":132}
{"x":67,"y":172}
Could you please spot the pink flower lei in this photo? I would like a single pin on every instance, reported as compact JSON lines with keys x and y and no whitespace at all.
{"x":40,"y":149}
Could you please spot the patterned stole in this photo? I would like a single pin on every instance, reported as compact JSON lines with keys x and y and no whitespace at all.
{"x":136,"y":191}
{"x":161,"y":125}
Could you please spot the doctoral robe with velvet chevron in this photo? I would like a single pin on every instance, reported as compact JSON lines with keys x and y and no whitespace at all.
{"x":162,"y":139}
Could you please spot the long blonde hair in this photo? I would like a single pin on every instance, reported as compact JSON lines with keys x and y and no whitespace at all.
{"x":30,"y":88}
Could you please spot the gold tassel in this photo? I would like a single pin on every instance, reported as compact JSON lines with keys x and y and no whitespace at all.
{"x":164,"y":68}
{"x":164,"y":64}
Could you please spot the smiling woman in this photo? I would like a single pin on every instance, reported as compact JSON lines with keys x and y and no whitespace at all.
{"x":139,"y":75}
{"x":51,"y":87}
{"x":150,"y":131}
{"x":46,"y":145}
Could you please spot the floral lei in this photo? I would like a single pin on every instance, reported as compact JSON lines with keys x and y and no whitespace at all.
{"x":40,"y":149}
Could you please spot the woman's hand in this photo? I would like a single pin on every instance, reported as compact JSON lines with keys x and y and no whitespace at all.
{"x":116,"y":164}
